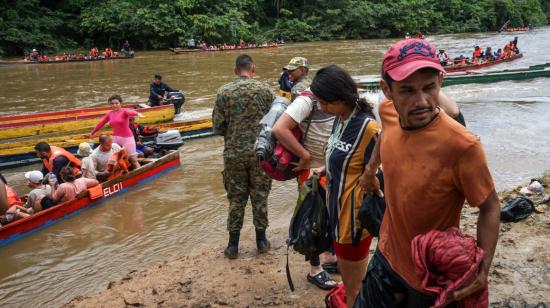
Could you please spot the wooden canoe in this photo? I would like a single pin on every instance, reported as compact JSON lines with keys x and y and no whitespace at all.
{"x":469,"y":67}
{"x":112,"y":188}
{"x":75,"y":120}
{"x":21,"y":152}
{"x":535,"y":71}
{"x":26,"y":62}
{"x":178,"y":50}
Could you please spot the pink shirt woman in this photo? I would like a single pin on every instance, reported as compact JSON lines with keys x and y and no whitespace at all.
{"x":119,"y":119}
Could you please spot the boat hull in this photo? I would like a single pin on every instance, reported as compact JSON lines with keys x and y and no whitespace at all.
{"x":77,"y":120}
{"x":113,"y":188}
{"x":23,"y":62}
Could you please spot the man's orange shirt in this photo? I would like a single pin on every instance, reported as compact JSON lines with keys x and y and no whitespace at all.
{"x":428,"y":173}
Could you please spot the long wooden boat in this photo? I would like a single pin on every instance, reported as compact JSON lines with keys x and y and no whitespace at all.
{"x":26,"y":62}
{"x":16,"y":153}
{"x":535,"y":71}
{"x":110,"y":189}
{"x":469,"y":67}
{"x":179,"y":50}
{"x":75,"y":120}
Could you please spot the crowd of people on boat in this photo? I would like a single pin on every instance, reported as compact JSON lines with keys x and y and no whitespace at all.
{"x":480,"y":56}
{"x":64,"y":176}
{"x":93,"y":54}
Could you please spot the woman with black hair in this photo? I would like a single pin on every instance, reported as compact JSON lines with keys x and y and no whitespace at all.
{"x":349,"y":148}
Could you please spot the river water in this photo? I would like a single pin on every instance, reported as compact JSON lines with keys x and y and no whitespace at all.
{"x":185,"y":210}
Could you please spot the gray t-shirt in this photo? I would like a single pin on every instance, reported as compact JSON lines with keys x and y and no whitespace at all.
{"x":101,"y":158}
{"x":319,"y":129}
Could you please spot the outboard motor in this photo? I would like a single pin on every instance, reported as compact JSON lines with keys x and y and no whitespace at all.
{"x":178,"y":100}
{"x":170,"y":140}
{"x":265,"y":143}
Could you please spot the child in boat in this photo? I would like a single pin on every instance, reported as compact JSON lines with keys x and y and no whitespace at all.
{"x":39,"y":191}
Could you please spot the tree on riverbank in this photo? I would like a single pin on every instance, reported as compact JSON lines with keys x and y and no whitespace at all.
{"x":54,"y":25}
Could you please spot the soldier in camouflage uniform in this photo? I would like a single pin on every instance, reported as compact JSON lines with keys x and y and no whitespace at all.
{"x":298,"y":68}
{"x":240,"y":105}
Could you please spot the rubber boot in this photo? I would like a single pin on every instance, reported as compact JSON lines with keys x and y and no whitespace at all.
{"x":262,"y":243}
{"x":232,"y":250}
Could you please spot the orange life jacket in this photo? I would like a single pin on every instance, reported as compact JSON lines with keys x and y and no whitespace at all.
{"x":56,"y":152}
{"x":13,"y":198}
{"x":118,"y":164}
{"x":477,"y":53}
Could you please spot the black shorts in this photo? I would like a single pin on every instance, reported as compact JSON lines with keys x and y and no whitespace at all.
{"x":382,"y":287}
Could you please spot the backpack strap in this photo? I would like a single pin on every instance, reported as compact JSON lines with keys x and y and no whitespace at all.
{"x":314,"y":109}
{"x":288,"y":276}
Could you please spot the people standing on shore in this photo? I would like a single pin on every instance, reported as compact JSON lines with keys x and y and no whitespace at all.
{"x":316,"y":126}
{"x":431,"y":166}
{"x":348,"y":150}
{"x":119,"y":119}
{"x":239,"y":107}
{"x":157,"y":90}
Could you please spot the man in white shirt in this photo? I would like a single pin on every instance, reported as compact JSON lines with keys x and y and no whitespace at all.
{"x":100,"y":156}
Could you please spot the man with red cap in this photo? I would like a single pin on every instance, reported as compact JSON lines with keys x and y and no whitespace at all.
{"x":431,"y":164}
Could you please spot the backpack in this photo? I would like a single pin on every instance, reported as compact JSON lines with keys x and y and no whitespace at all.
{"x":517,"y":209}
{"x":279,"y":165}
{"x":337,"y":297}
{"x":309,"y":231}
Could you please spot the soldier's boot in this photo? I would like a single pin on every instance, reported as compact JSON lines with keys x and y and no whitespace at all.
{"x":232,"y":250}
{"x":262,"y":243}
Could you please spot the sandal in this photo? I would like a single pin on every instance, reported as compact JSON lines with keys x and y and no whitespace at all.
{"x":321,"y":279}
{"x":331,"y":267}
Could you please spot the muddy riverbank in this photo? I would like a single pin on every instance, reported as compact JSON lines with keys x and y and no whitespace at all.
{"x":520,"y":275}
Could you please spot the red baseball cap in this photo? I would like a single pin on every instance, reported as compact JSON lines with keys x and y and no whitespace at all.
{"x":407,"y":56}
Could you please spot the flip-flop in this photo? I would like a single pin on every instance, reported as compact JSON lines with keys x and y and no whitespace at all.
{"x":331,"y":267}
{"x":321,"y":279}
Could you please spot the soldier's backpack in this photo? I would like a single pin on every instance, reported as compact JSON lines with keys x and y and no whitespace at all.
{"x":309,"y":233}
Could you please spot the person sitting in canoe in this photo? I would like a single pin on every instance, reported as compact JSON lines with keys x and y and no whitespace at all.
{"x":54,"y":158}
{"x":477,"y":56}
{"x":157,"y":90}
{"x":443,"y":57}
{"x":126,"y":49}
{"x":3,"y":197}
{"x":70,"y":187}
{"x":33,"y":56}
{"x":94,"y":52}
{"x":118,"y":164}
{"x":87,"y":167}
{"x":39,"y":190}
{"x":488,"y":54}
{"x":101,"y":155}
{"x":497,"y":54}
{"x":15,"y":207}
{"x":119,"y":119}
{"x":32,"y":203}
{"x":140,"y":131}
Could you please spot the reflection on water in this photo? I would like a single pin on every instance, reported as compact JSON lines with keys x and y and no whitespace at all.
{"x":181,"y":211}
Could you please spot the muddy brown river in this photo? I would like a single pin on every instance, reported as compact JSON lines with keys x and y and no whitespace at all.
{"x":185,"y":210}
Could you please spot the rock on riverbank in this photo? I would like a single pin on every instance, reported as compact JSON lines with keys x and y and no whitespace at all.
{"x":520,"y":276}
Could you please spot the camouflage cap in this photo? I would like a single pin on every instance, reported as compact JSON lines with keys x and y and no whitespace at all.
{"x":296,"y":62}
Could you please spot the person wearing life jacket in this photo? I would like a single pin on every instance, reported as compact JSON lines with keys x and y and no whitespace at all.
{"x":478,"y":54}
{"x":11,"y":194}
{"x":54,"y":158}
{"x":285,"y":85}
{"x":497,"y":54}
{"x":118,"y":164}
{"x":443,"y":57}
{"x":304,"y":112}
